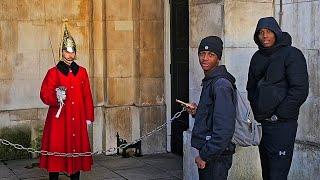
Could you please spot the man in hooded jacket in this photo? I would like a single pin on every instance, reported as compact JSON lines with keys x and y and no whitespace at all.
{"x":215,"y":114}
{"x":277,"y":86}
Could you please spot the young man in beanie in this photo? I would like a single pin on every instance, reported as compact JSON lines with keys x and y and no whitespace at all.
{"x":277,"y":86}
{"x":215,"y":114}
{"x":66,"y":90}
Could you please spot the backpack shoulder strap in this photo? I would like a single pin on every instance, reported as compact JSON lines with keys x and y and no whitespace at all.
{"x":213,"y":81}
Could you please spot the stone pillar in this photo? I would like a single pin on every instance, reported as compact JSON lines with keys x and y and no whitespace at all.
{"x":234,"y":22}
{"x":240,"y":22}
{"x":121,"y":71}
{"x":301,"y":20}
{"x":151,"y":73}
{"x":206,"y":18}
{"x":135,"y":90}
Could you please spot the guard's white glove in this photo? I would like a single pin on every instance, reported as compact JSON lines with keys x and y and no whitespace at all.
{"x":88,"y":122}
{"x":61,"y":94}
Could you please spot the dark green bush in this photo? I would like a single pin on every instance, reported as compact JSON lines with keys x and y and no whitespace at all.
{"x":17,"y":135}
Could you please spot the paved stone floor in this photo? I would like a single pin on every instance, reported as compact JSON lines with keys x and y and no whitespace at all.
{"x":157,"y":166}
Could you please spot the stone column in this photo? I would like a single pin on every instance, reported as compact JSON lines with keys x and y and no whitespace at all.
{"x":135,"y":90}
{"x":240,"y":22}
{"x":301,"y":20}
{"x":206,"y":18}
{"x":151,"y":73}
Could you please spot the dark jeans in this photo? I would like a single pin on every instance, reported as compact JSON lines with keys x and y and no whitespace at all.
{"x":276,"y":149}
{"x":216,"y":169}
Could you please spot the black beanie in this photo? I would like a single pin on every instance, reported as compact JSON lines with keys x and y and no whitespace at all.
{"x":213,"y":44}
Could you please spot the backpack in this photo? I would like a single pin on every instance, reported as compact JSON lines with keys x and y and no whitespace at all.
{"x":248,"y":131}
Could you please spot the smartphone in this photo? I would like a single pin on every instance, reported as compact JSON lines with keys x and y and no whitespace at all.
{"x":183,"y":103}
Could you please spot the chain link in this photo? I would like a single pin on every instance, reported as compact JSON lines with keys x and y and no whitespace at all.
{"x":83,"y":154}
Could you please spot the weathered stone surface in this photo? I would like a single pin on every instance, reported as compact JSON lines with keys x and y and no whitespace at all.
{"x":121,"y":91}
{"x":99,"y":63}
{"x":25,"y":65}
{"x":16,"y":95}
{"x":241,"y":18}
{"x":98,"y":90}
{"x":136,"y":34}
{"x":73,"y":10}
{"x":312,"y":57}
{"x":197,"y":2}
{"x":18,"y":168}
{"x":144,"y":173}
{"x":309,"y":125}
{"x":151,"y":35}
{"x":246,"y":163}
{"x":118,"y":39}
{"x":120,"y":63}
{"x":237,"y":61}
{"x":305,"y":162}
{"x":119,"y":9}
{"x":5,"y":66}
{"x":99,"y":173}
{"x":4,"y":119}
{"x":46,"y":62}
{"x":8,"y":36}
{"x":300,"y":20}
{"x":98,"y":136}
{"x":212,"y":15}
{"x":151,"y":91}
{"x":151,"y":9}
{"x":150,"y":118}
{"x":98,"y":34}
{"x":37,"y":12}
{"x":42,"y":114}
{"x":23,"y":115}
{"x":195,"y":71}
{"x":190,"y":170}
{"x":80,"y":32}
{"x":7,"y":6}
{"x":5,"y":173}
{"x":151,"y":63}
{"x":99,"y":10}
{"x":117,"y":119}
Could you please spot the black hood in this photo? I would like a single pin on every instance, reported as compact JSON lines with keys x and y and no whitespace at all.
{"x":219,"y":72}
{"x":282,"y":38}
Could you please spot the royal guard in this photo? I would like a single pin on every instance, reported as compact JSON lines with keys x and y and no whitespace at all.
{"x":66,"y":89}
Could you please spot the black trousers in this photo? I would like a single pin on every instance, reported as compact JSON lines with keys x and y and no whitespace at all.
{"x":216,"y":169}
{"x":276,"y":148}
{"x":55,"y":176}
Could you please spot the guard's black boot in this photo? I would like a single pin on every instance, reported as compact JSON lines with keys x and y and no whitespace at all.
{"x":53,"y":175}
{"x":75,"y":176}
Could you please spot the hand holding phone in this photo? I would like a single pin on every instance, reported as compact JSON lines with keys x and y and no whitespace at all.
{"x":183,"y":103}
{"x":191,"y":107}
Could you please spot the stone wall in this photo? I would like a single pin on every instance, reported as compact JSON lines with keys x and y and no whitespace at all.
{"x":238,"y":21}
{"x":206,"y":18}
{"x":120,"y":42}
{"x":301,"y":20}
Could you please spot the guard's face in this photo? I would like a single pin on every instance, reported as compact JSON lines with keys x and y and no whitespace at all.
{"x":208,"y":60}
{"x":69,"y":56}
{"x":266,"y":37}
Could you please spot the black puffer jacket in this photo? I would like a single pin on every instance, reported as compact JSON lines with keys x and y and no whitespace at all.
{"x":215,"y":118}
{"x":278,"y":78}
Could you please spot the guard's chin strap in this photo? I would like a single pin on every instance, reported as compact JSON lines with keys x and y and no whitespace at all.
{"x":66,"y":61}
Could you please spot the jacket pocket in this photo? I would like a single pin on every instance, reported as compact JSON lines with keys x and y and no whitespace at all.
{"x":269,"y":97}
